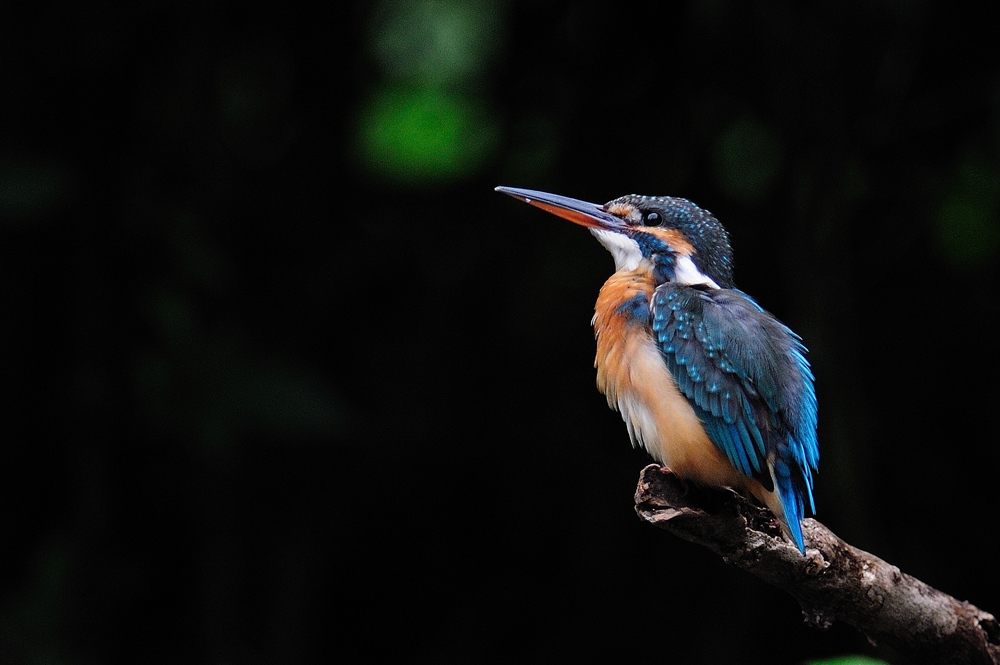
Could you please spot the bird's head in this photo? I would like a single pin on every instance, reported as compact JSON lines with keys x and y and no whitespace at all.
{"x":683,"y":242}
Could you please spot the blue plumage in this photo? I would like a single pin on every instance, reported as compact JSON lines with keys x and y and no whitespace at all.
{"x":746,"y":375}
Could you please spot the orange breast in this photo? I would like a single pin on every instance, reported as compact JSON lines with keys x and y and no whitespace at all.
{"x":633,"y":376}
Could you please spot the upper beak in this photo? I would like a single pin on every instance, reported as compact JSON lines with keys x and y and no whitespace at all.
{"x":579,"y":212}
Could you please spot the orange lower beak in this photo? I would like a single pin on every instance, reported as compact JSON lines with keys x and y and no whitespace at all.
{"x":579,"y":212}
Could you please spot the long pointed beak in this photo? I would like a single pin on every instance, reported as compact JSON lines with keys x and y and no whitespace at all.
{"x":575,"y":210}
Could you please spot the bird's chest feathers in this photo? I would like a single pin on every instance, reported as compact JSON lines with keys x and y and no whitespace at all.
{"x":633,"y":376}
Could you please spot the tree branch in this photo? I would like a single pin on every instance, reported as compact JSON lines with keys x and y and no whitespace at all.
{"x":833,"y":581}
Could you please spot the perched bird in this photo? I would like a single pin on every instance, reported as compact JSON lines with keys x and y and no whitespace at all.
{"x":710,"y":384}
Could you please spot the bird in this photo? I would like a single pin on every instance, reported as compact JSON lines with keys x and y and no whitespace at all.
{"x":709,"y":383}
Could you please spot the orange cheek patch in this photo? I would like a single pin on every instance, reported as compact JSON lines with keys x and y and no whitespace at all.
{"x":622,"y":210}
{"x":674,"y":238}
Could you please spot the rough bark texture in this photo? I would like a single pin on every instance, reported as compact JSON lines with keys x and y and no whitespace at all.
{"x":833,"y":581}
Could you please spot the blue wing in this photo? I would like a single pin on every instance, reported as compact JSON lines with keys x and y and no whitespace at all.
{"x":747,"y":377}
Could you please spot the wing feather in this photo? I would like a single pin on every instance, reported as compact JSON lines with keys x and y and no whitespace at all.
{"x":748,"y":380}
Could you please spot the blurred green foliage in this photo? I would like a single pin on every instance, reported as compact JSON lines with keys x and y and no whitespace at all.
{"x":436,"y":42}
{"x":425,"y":121}
{"x":424,"y":136}
{"x":848,"y":660}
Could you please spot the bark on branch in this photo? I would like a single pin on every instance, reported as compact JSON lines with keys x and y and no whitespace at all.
{"x":833,"y":581}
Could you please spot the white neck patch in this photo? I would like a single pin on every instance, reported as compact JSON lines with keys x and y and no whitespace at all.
{"x":686,"y":272}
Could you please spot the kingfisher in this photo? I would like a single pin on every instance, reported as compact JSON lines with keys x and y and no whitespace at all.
{"x":710,"y":384}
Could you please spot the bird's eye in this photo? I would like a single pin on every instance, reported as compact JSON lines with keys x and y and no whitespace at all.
{"x":652,"y":219}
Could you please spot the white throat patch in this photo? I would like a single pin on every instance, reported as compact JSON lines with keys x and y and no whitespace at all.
{"x":625,"y":250}
{"x":628,"y":256}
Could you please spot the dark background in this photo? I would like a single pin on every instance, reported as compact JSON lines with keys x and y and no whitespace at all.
{"x":287,"y":382}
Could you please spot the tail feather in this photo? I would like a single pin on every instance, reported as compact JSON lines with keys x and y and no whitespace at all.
{"x":790,"y":496}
